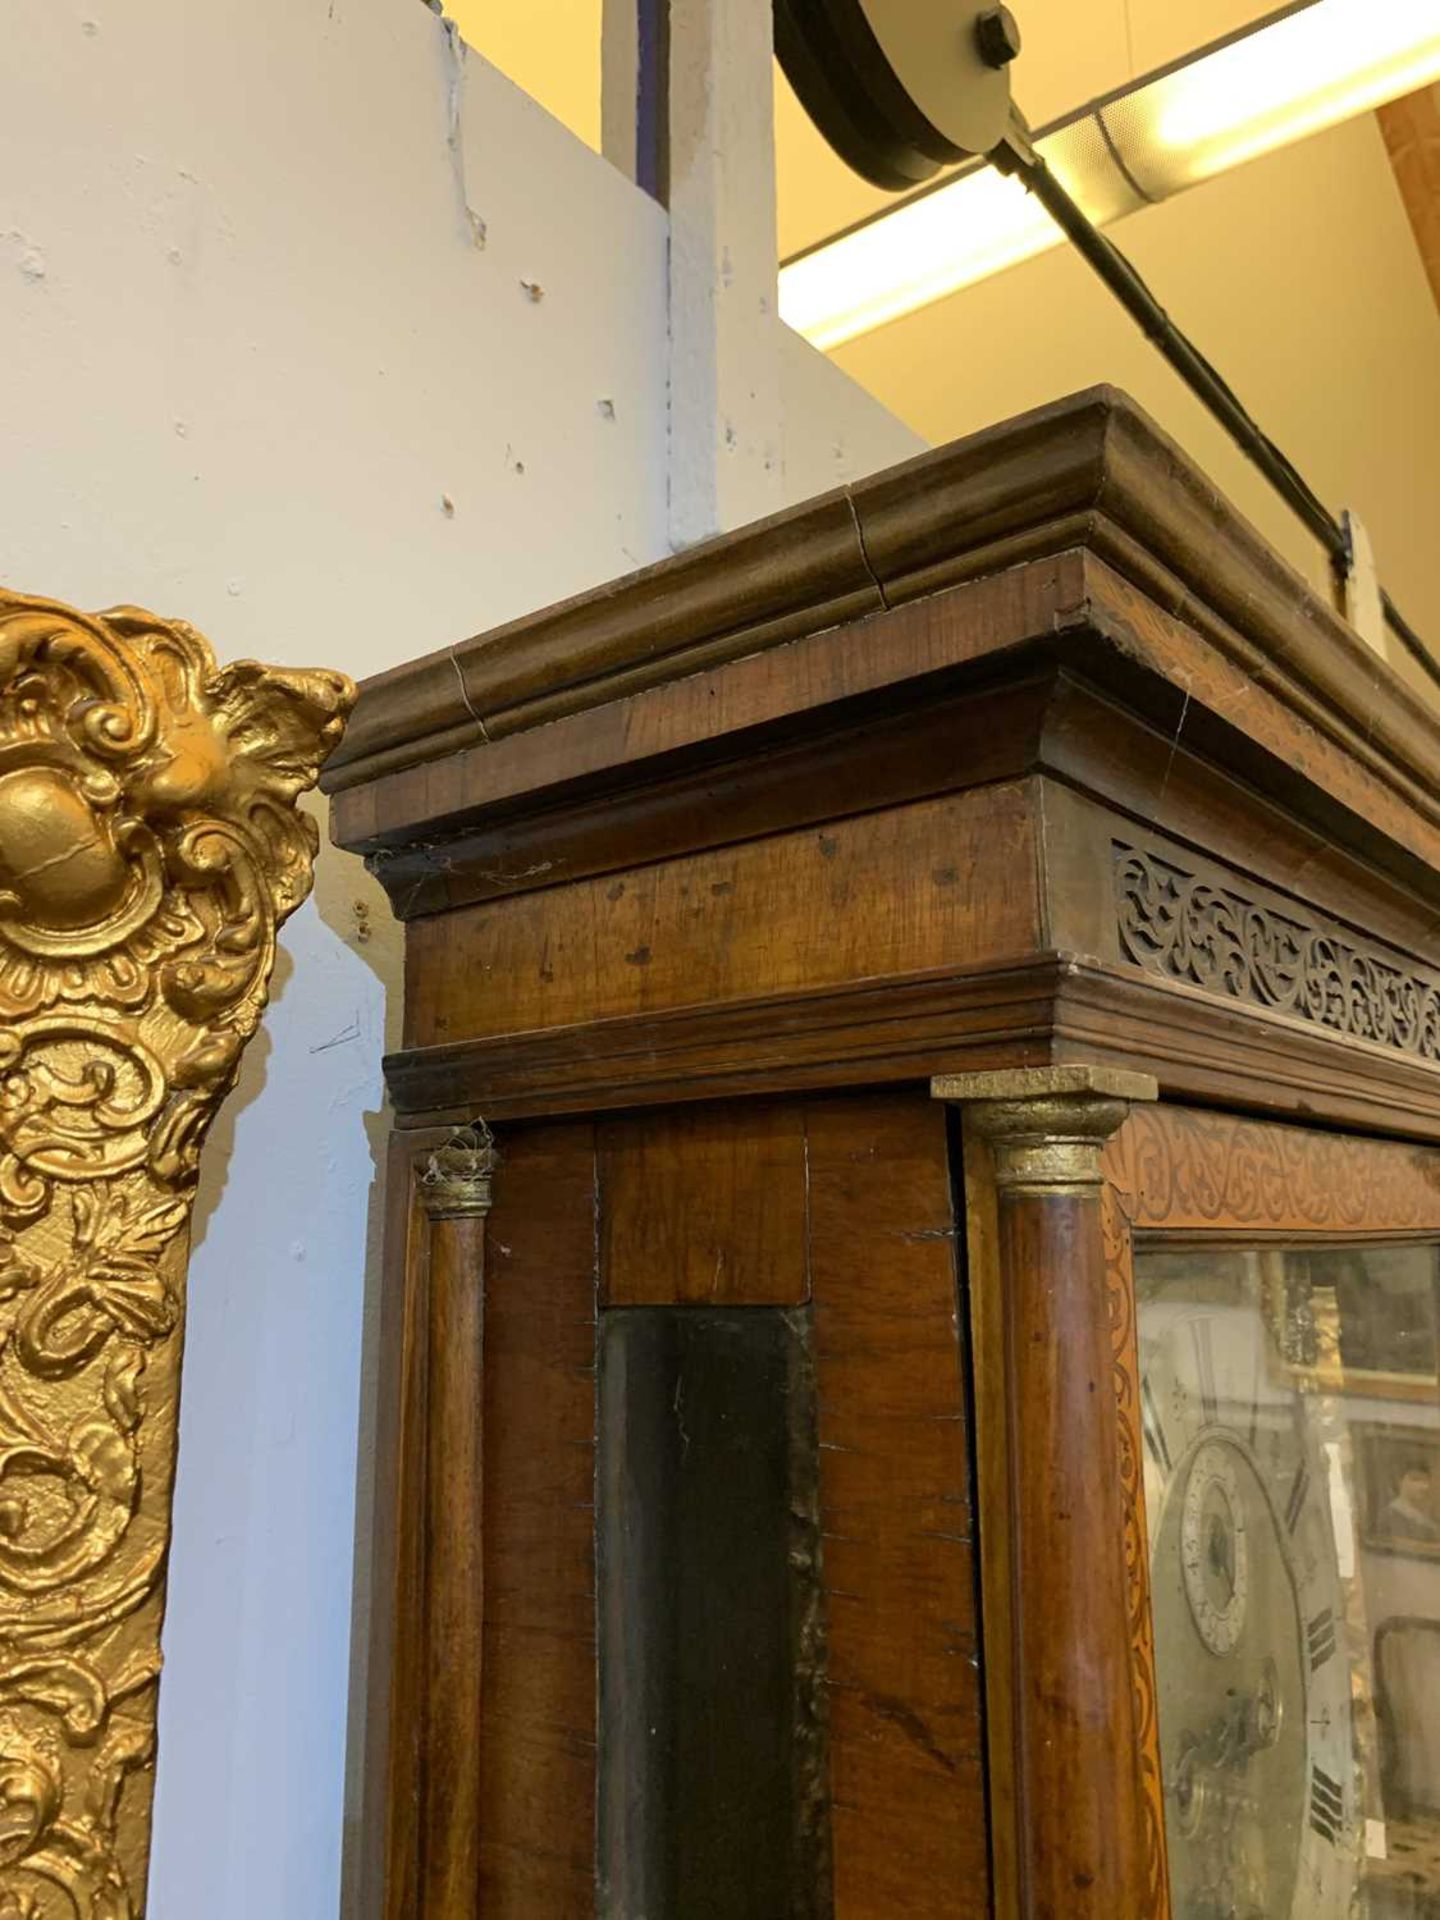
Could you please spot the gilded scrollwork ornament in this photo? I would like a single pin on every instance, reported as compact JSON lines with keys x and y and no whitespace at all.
{"x":150,"y":846}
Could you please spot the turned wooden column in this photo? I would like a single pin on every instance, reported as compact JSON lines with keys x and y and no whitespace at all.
{"x":456,"y":1193}
{"x":1079,"y":1806}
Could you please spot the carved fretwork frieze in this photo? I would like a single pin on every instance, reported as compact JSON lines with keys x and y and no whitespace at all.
{"x":1183,"y":926}
{"x":149,"y":848}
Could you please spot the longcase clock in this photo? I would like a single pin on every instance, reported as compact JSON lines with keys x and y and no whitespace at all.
{"x":909,"y":1360}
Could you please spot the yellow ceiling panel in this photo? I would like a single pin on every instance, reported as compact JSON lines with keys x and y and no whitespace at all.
{"x":1071,"y":54}
{"x":1163,"y":31}
{"x":550,"y":48}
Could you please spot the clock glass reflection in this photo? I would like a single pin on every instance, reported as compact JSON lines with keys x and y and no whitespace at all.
{"x":1290,"y":1417}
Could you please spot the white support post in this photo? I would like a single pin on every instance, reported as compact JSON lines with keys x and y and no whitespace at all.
{"x":620,"y":84}
{"x":725,"y":398}
{"x":1363,"y":607}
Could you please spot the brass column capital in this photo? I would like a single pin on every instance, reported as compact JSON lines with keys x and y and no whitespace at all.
{"x":456,"y":1182}
{"x":1047,"y":1126}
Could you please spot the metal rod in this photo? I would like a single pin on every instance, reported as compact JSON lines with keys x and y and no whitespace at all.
{"x":1016,"y":155}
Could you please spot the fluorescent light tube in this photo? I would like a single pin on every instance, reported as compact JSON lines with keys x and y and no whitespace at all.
{"x":975,"y":226}
{"x":1307,"y":72}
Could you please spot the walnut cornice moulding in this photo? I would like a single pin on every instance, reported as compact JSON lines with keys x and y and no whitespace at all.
{"x":150,"y":846}
{"x":1090,"y":475}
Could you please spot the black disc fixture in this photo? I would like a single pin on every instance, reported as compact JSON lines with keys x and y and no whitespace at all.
{"x":900,"y":88}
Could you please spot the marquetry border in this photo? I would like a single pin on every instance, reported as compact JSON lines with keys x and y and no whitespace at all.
{"x":1181,"y":1170}
{"x":984,"y":1295}
{"x":1120,"y":1299}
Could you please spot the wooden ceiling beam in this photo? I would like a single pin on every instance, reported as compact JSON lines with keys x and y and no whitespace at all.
{"x":1412,"y":134}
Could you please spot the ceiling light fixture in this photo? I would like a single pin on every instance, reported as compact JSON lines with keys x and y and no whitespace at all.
{"x":926,"y":248}
{"x":1304,"y":73}
{"x":1276,"y":84}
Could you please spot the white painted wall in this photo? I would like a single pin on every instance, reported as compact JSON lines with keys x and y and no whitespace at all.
{"x":834,"y":431}
{"x":255,"y":371}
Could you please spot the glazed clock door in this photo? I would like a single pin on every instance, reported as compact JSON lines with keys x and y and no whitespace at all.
{"x":1288,"y":1413}
{"x":1249,"y":1601}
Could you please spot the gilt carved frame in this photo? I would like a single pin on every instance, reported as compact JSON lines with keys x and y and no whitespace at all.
{"x":150,"y":847}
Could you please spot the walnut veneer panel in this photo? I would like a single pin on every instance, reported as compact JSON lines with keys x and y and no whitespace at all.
{"x":886,"y":894}
{"x":705,"y":1206}
{"x":905,"y":1732}
{"x":537,"y":1730}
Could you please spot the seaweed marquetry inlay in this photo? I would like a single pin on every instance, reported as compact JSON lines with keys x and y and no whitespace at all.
{"x":149,"y":848}
{"x":1186,"y":927}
